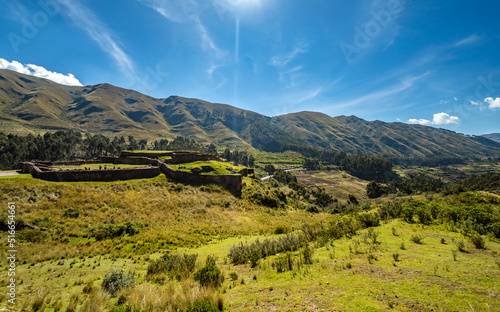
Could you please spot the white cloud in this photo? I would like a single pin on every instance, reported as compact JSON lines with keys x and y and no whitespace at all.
{"x":472,"y":39}
{"x":437,"y":119}
{"x":39,"y":71}
{"x":419,"y":121}
{"x":493,"y":103}
{"x":87,"y":21}
{"x":444,"y":119}
{"x":283,"y":60}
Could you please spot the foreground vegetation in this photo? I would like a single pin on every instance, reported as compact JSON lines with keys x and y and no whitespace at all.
{"x":154,"y":245}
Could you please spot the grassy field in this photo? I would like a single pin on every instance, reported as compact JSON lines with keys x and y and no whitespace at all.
{"x":452,"y":172}
{"x":336,"y":183}
{"x":377,"y":269}
{"x":218,"y":167}
{"x":96,"y":166}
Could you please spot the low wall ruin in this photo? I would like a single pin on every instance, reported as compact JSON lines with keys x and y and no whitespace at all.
{"x":231,"y":182}
{"x":90,"y":175}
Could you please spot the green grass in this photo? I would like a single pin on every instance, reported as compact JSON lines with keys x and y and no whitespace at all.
{"x":208,"y":220}
{"x":219,"y":168}
{"x":96,"y":166}
{"x":425,"y":277}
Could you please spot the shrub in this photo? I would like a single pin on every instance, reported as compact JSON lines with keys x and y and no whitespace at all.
{"x":460,"y":245}
{"x":352,"y":199}
{"x":115,"y":230}
{"x":281,"y":229}
{"x":175,"y":266}
{"x":117,"y":280}
{"x":33,"y":236}
{"x":307,"y":254}
{"x":368,"y":219}
{"x":72,"y":213}
{"x":417,"y":239}
{"x":233,"y":276}
{"x":210,"y":274}
{"x":402,"y":246}
{"x":203,"y":306}
{"x":370,"y":258}
{"x":478,"y":241}
{"x":395,"y":256}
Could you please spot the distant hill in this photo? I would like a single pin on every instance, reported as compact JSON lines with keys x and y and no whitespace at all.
{"x":492,"y":136}
{"x":31,"y":105}
{"x":392,"y":140}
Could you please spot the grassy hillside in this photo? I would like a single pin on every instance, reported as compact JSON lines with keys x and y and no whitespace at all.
{"x":354,"y":261}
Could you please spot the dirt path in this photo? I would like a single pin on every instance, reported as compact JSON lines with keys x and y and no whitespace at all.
{"x":8,"y":173}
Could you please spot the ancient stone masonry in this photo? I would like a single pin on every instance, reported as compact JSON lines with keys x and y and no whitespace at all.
{"x":78,"y":175}
{"x":231,"y":182}
{"x":43,"y":170}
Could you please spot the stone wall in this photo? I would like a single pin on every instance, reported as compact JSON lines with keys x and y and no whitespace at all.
{"x":90,"y":175}
{"x":187,"y":157}
{"x":130,"y":160}
{"x":231,"y":182}
{"x":151,"y":154}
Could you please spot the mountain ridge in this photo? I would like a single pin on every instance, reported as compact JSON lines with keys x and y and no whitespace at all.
{"x":30,"y":105}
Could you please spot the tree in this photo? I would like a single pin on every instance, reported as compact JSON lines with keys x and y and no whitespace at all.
{"x":311,"y":164}
{"x":251,"y":161}
{"x":227,"y":154}
{"x":374,"y":190}
{"x":269,"y":169}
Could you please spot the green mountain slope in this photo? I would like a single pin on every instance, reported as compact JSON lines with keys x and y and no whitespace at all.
{"x":392,"y":140}
{"x":33,"y":105}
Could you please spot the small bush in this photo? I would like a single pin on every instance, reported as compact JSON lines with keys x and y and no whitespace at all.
{"x":233,"y":276}
{"x":417,"y":239}
{"x":460,"y":245}
{"x":72,"y":213}
{"x":210,"y":274}
{"x":281,"y":229}
{"x":307,"y":254}
{"x":370,"y":258}
{"x":117,"y":280}
{"x":115,"y":230}
{"x":175,"y":266}
{"x":478,"y":241}
{"x":395,"y":256}
{"x":33,"y":236}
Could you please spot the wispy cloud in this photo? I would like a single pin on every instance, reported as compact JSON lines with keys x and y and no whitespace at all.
{"x":437,"y":119}
{"x":380,"y":95}
{"x":186,"y":12}
{"x":289,"y":73}
{"x":39,"y":71}
{"x":97,"y":30}
{"x":283,"y":60}
{"x":470,"y":40}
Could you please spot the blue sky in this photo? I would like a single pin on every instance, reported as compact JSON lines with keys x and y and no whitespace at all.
{"x":427,"y":62}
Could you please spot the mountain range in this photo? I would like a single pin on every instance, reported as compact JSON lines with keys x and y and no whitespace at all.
{"x":31,"y":105}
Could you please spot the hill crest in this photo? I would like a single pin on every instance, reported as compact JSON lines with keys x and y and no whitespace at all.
{"x":30,"y":105}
